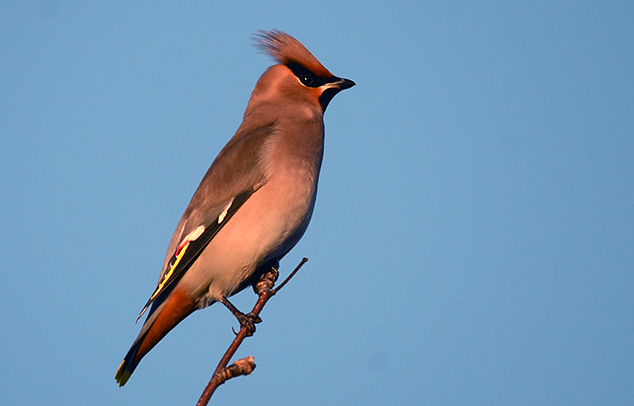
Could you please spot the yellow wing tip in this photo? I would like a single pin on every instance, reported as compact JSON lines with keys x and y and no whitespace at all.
{"x":122,"y":375}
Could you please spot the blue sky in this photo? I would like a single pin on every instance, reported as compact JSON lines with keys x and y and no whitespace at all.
{"x":473,"y":240}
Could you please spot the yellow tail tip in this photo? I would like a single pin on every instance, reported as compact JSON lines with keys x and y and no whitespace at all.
{"x":122,"y":375}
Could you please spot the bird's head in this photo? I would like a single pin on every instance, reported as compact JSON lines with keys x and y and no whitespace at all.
{"x":298,"y":75}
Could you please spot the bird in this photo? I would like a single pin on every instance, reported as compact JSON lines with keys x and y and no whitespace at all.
{"x":256,"y":199}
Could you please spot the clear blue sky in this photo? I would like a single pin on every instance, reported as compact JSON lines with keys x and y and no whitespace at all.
{"x":473,"y":240}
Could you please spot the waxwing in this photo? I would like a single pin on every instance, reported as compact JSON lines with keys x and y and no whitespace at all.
{"x":255,"y":201}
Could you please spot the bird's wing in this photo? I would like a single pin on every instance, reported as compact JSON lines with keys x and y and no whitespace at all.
{"x":234,"y":176}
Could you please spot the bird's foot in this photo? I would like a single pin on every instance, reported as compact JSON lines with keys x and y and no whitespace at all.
{"x":247,"y":321}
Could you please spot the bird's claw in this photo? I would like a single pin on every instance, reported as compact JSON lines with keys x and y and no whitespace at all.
{"x":248,"y":322}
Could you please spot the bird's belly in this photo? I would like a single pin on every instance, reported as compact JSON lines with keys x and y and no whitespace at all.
{"x":267,"y":226}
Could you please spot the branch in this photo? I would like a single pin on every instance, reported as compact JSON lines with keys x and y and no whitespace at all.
{"x":264,"y":289}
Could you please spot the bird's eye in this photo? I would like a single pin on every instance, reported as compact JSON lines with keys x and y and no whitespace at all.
{"x":306,"y":79}
{"x":305,"y":76}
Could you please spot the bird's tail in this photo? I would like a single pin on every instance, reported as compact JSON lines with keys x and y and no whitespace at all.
{"x":159,"y":322}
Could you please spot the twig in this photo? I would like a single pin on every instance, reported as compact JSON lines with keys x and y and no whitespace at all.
{"x":302,"y":262}
{"x":264,"y":289}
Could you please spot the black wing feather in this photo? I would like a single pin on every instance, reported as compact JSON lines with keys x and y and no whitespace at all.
{"x":193,"y":251}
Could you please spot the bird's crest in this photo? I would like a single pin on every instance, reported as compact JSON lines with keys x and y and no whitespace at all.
{"x":285,"y":49}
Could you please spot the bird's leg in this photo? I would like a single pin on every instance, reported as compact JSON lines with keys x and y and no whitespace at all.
{"x":262,"y":281}
{"x":265,"y":277}
{"x":247,"y":321}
